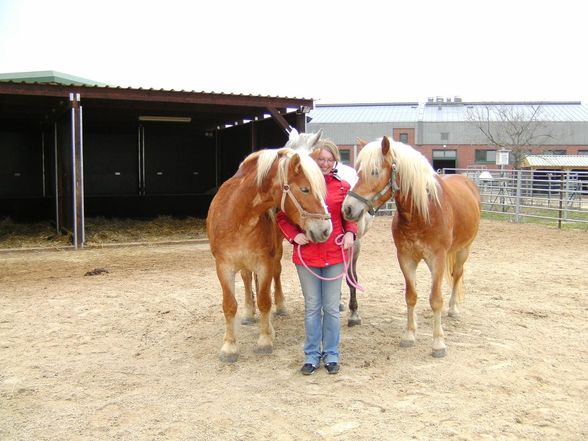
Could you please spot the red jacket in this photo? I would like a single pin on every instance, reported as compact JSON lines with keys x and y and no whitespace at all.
{"x":325,"y":253}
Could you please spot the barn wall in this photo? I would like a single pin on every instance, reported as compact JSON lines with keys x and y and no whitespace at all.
{"x":111,"y":162}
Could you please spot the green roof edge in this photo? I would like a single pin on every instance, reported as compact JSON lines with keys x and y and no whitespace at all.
{"x":48,"y":76}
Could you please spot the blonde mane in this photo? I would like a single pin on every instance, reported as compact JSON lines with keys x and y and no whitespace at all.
{"x":417,"y":178}
{"x":311,"y":170}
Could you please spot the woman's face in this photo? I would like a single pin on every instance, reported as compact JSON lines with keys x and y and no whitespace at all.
{"x":325,"y":161}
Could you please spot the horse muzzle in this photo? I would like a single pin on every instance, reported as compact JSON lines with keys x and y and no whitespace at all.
{"x":352,"y":209}
{"x":319,"y":230}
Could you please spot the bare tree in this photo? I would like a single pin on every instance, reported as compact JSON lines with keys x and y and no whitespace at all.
{"x":517,"y":128}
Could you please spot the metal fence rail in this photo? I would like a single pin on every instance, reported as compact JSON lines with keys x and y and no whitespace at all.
{"x":560,"y":196}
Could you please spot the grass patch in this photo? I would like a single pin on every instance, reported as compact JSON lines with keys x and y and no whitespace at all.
{"x":526,"y":219}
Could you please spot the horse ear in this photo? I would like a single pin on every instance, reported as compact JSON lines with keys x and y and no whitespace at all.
{"x":385,"y":145}
{"x":295,"y":166}
{"x":362,"y":142}
{"x":315,"y":138}
{"x":293,"y":138}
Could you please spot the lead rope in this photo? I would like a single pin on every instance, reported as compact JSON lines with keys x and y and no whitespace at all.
{"x":347,"y":259}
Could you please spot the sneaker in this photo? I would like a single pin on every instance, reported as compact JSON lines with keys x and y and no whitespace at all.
{"x":332,"y":368}
{"x":308,"y":369}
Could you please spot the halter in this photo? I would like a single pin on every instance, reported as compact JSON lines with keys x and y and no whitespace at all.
{"x":390,"y":185}
{"x":287,"y":192}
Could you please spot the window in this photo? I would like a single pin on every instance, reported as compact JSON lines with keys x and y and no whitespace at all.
{"x":555,"y":152}
{"x":444,"y":154}
{"x":486,"y":156}
{"x":345,"y":156}
{"x":445,"y":136}
{"x":403,"y":137}
{"x":583,"y":152}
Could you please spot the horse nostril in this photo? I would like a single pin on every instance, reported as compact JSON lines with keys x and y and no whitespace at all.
{"x":326,"y":232}
{"x":348,"y":210}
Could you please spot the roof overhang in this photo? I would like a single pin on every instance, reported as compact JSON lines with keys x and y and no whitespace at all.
{"x":556,"y":162}
{"x":37,"y":102}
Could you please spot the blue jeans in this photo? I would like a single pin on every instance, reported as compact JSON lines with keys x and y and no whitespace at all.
{"x":321,"y":313}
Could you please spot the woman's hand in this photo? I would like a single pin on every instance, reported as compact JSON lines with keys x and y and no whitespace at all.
{"x":301,"y":239}
{"x":348,"y":239}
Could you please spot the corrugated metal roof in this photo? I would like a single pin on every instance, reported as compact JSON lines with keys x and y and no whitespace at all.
{"x":364,"y":113}
{"x":556,"y":161}
{"x":570,"y":111}
{"x":59,"y":78}
{"x":48,"y":76}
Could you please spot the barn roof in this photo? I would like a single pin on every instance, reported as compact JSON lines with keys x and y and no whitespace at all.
{"x":36,"y":96}
{"x":443,"y":111}
{"x":364,"y":113}
{"x":556,"y":161}
{"x":48,"y":76}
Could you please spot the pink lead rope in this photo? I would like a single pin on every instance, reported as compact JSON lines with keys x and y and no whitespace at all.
{"x":347,"y":259}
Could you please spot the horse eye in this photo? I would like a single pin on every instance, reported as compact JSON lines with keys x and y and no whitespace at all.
{"x":305,"y":189}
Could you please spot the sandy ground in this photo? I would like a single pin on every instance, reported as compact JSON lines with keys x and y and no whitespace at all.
{"x":132,"y":353}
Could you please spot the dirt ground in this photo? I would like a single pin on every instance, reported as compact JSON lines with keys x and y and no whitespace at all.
{"x":131,"y":353}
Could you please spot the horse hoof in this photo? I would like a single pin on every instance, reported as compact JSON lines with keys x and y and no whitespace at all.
{"x":341,"y":307}
{"x":264,"y":350}
{"x":454,"y":315}
{"x":439,"y":353}
{"x":228,"y":358}
{"x":248,"y":320}
{"x":353,"y":322}
{"x":406,"y":343}
{"x":282,"y":313}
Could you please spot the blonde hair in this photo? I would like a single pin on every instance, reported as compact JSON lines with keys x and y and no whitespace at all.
{"x":329,"y":146}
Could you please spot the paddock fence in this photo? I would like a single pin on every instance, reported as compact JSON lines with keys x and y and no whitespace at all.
{"x":556,"y":196}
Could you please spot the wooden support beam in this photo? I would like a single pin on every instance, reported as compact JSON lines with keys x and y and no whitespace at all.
{"x":280,"y":120}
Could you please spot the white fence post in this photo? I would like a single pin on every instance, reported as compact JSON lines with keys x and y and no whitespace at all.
{"x":518,"y":197}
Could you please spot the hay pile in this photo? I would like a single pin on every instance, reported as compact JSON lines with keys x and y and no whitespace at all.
{"x":102,"y":231}
{"x":31,"y":235}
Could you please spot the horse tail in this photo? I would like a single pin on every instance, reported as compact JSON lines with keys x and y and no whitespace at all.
{"x":450,"y":267}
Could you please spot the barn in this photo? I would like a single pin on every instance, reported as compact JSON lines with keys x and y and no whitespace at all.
{"x":447,"y":130}
{"x":550,"y":170}
{"x":72,"y":148}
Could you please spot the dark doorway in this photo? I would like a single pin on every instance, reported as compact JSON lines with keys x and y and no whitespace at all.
{"x":439,"y":164}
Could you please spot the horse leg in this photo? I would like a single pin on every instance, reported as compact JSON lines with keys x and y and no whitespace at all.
{"x":278,"y":292}
{"x":229,"y":352}
{"x":248,"y":316}
{"x":408,"y":267}
{"x":264,"y":304}
{"x":457,"y":292}
{"x":354,"y":318}
{"x":437,"y":268}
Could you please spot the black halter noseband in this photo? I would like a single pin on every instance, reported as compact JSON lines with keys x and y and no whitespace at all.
{"x":390,"y":185}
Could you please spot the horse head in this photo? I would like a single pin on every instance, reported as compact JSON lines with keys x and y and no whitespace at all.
{"x":377,"y":180}
{"x":303,"y":142}
{"x":303,"y":196}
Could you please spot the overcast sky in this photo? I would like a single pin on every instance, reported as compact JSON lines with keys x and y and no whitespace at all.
{"x":330,"y":51}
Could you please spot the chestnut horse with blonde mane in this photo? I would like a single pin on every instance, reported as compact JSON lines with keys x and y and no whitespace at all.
{"x":241,"y":232}
{"x":436,"y":220}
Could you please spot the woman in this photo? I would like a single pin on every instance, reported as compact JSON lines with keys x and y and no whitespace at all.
{"x":322,"y":297}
